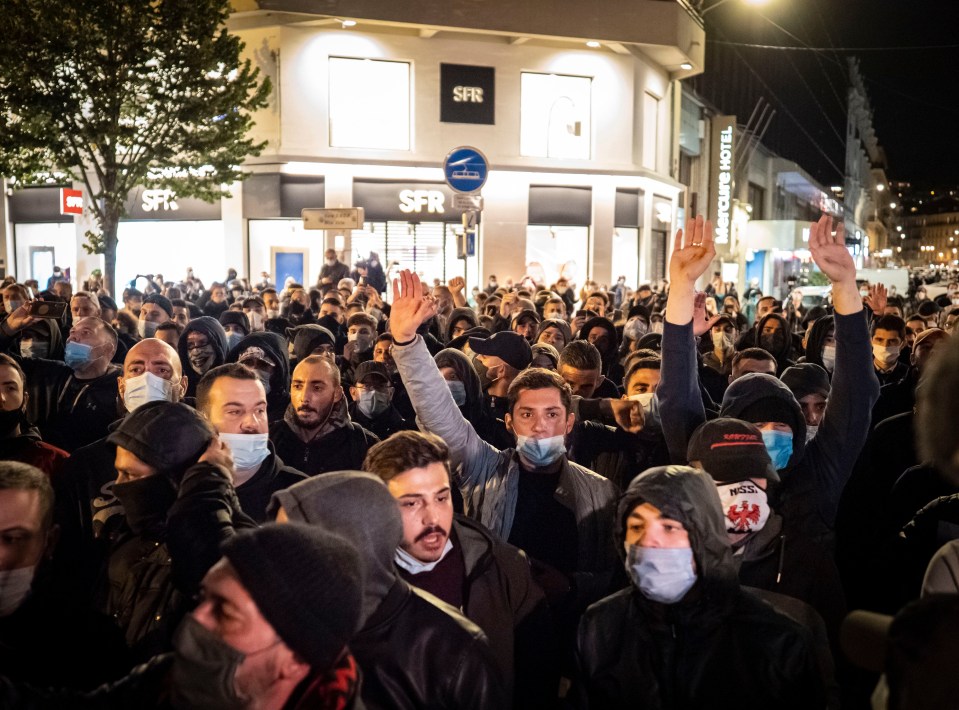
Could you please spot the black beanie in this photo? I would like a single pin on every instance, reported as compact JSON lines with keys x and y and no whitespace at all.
{"x":168,"y":436}
{"x":161,"y":301}
{"x":239,"y":318}
{"x":805,"y":379}
{"x":770,"y":409}
{"x":306,"y":581}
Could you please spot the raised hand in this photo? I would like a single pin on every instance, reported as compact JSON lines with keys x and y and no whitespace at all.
{"x":628,"y":414}
{"x":700,"y":323}
{"x":219,"y":454}
{"x":410,"y":308}
{"x":19,"y":319}
{"x":693,"y":252}
{"x":829,"y":251}
{"x":456,"y":284}
{"x":877,"y":299}
{"x":833,"y":259}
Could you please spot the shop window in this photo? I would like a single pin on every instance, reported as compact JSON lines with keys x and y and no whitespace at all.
{"x":554,"y":251}
{"x":369,"y":104}
{"x":427,"y":248}
{"x":555,"y":116}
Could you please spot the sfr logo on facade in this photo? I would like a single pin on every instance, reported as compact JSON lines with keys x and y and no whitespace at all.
{"x":414,"y":201}
{"x":468,"y":94}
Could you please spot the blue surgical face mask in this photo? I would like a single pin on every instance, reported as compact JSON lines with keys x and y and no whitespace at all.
{"x":540,"y":452}
{"x":77,"y":355}
{"x":779,"y":446}
{"x":458,"y":390}
{"x":373,"y":403}
{"x":661,"y":574}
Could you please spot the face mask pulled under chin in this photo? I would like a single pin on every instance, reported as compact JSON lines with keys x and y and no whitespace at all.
{"x":661,"y":574}
{"x":15,"y":587}
{"x":144,"y":388}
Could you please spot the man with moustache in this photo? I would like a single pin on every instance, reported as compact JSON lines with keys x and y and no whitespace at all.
{"x":459,"y":561}
{"x":316,"y":434}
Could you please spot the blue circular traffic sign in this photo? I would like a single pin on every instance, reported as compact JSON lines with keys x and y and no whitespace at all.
{"x":466,"y":169}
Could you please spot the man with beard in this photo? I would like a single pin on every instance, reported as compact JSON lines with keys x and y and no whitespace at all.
{"x":271,"y":630}
{"x":316,"y":434}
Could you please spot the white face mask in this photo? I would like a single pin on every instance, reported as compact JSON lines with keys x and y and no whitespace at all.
{"x":249,"y":452}
{"x":14,"y":587}
{"x":829,"y":357}
{"x":644,"y":398}
{"x":145,"y":388}
{"x":745,"y":506}
{"x":146,"y":329}
{"x":886,"y":354}
{"x":256,"y":320}
{"x":721,"y":340}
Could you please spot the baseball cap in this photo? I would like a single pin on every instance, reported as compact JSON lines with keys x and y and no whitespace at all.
{"x":512,"y":348}
{"x":731,"y":450}
{"x":371,"y":367}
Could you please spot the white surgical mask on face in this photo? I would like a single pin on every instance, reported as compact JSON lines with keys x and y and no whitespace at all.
{"x":14,"y":587}
{"x":886,"y":354}
{"x":145,"y":388}
{"x":146,"y":329}
{"x":644,"y":398}
{"x":829,"y":357}
{"x":249,"y":451}
{"x":256,"y":320}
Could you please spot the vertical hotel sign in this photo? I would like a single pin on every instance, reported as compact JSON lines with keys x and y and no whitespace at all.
{"x":722,"y":168}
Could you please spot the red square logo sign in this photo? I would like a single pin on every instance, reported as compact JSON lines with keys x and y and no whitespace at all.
{"x":71,"y":201}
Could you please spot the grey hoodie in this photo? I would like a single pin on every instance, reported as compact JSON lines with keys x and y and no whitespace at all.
{"x":359,"y":507}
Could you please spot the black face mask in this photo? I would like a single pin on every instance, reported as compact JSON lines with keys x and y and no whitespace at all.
{"x":146,"y":502}
{"x":330,"y":323}
{"x":9,"y":421}
{"x":204,"y":669}
{"x":771,"y":342}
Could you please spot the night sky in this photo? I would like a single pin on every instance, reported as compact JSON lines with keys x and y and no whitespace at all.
{"x":914,"y":92}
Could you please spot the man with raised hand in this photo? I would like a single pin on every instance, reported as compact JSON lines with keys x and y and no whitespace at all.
{"x":531,"y":496}
{"x":814,"y":474}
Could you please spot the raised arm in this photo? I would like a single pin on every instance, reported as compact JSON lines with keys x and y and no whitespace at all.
{"x":855,"y":388}
{"x":431,"y":399}
{"x":680,"y":402}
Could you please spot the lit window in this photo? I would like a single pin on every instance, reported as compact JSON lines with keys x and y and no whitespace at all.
{"x":555,"y":116}
{"x":369,"y":104}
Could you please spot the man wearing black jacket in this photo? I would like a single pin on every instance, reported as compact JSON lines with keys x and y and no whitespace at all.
{"x":316,"y":434}
{"x":459,"y":561}
{"x":232,"y":399}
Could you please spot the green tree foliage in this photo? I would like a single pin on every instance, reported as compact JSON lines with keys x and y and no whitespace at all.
{"x":118,"y":93}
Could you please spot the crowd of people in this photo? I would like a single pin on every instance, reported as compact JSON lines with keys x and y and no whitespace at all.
{"x":259,"y":495}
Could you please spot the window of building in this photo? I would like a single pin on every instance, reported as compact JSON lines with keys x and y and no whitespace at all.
{"x":369,"y":104}
{"x":650,"y":131}
{"x":557,"y":251}
{"x":757,"y":199}
{"x":555,"y":116}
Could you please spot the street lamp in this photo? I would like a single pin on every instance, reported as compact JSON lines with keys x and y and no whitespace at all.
{"x":704,"y":10}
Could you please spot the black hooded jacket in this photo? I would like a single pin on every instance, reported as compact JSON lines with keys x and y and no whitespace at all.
{"x":715,"y":647}
{"x":457,"y":315}
{"x":612,"y":369}
{"x":783,"y":351}
{"x":476,"y":410}
{"x":816,"y":474}
{"x":211,"y":328}
{"x":821,"y":329}
{"x":275,"y":347}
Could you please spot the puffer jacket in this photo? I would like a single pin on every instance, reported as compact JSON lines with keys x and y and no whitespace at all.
{"x":717,"y":647}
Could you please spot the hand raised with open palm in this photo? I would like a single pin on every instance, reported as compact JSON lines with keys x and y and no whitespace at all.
{"x":693,"y":252}
{"x":829,"y":250}
{"x":410,"y":308}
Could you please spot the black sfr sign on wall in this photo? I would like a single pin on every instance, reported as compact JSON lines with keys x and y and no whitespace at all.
{"x":467,"y":94}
